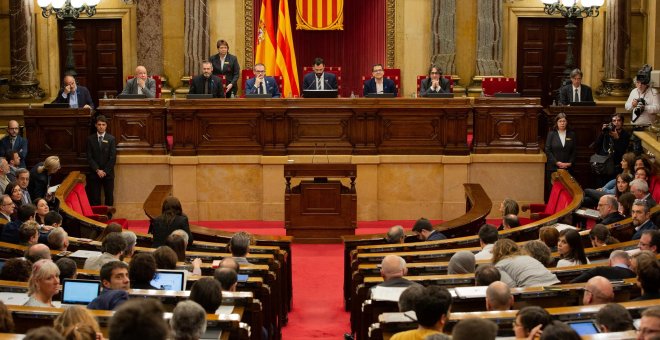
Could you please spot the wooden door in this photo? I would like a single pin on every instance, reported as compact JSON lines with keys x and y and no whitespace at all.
{"x":97,"y":54}
{"x":542,"y":56}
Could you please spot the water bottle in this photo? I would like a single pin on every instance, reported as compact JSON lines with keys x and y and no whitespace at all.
{"x":352,"y":94}
{"x":105,"y":95}
{"x":173,"y":95}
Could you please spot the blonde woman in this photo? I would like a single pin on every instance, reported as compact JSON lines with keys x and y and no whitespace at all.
{"x":44,"y":283}
{"x":78,"y":323}
{"x":519,"y":269}
{"x":40,"y":177}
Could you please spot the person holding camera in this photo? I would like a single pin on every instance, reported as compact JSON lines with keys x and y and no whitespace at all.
{"x":643,"y":100}
{"x":613,"y":140}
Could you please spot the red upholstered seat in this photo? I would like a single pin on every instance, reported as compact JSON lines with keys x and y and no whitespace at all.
{"x":390,"y":73}
{"x":73,"y":202}
{"x":97,"y":213}
{"x":247,"y":74}
{"x":654,"y":188}
{"x":423,"y":76}
{"x":492,"y":85}
{"x":558,"y":200}
{"x":336,"y":70}
{"x":159,"y":84}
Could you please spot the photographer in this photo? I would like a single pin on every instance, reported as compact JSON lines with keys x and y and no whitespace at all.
{"x":643,"y":100}
{"x":613,"y":140}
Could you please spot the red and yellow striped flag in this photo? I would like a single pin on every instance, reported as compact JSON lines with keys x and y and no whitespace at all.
{"x":266,"y":37}
{"x":320,"y":14}
{"x":286,"y":53}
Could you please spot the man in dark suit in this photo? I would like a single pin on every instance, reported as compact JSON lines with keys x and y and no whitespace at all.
{"x":74,"y":95}
{"x":226,"y":64}
{"x":434,"y":83}
{"x":207,"y":83}
{"x":101,"y":156}
{"x":378,"y":83}
{"x":640,"y":188}
{"x":262,"y":84}
{"x":641,"y":217}
{"x":425,"y":232}
{"x":141,"y":84}
{"x":650,"y":241}
{"x":617,"y":269}
{"x":575,"y":91}
{"x":319,"y":80}
{"x":608,"y":209}
{"x":13,"y":141}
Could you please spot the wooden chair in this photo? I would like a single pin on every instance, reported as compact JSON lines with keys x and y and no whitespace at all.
{"x":492,"y":85}
{"x":423,"y":76}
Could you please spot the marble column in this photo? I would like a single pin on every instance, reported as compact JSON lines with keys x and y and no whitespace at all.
{"x":196,"y":39}
{"x":617,"y":82}
{"x":23,"y":57}
{"x":443,"y":28}
{"x":150,"y":36}
{"x":489,"y":42}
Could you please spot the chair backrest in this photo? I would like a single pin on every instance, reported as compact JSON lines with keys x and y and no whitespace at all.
{"x":336,"y":70}
{"x":423,"y":76}
{"x":159,"y":83}
{"x":390,"y":73}
{"x":83,"y":200}
{"x":554,"y":199}
{"x":248,"y":73}
{"x":492,"y":85}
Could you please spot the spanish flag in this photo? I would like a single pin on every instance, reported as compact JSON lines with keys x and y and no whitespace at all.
{"x":266,"y":37}
{"x":286,"y":54}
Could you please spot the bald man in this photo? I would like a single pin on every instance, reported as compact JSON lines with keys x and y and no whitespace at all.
{"x":395,"y":235}
{"x":37,"y":252}
{"x":498,"y":297}
{"x":393,"y":269}
{"x":141,"y":84}
{"x":598,"y":290}
{"x":13,"y":141}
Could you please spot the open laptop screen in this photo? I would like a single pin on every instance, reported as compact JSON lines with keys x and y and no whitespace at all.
{"x":80,"y":292}
{"x":170,"y":279}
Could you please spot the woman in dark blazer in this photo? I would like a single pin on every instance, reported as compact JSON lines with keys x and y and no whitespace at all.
{"x":560,"y":147}
{"x":171,"y":219}
{"x":229,"y":67}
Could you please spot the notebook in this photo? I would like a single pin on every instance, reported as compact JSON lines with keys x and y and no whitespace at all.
{"x":79,"y":292}
{"x":170,"y":279}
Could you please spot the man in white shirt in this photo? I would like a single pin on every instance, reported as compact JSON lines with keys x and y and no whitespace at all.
{"x":575,"y":91}
{"x":487,"y":237}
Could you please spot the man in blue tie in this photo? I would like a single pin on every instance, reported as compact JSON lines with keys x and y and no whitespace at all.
{"x":75,"y":95}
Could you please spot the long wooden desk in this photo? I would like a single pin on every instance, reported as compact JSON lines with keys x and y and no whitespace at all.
{"x":139,"y":125}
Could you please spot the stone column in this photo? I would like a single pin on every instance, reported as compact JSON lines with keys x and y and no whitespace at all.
{"x":196,"y":40}
{"x":150,"y":36}
{"x":489,"y":42}
{"x":617,"y":82}
{"x":443,"y":50}
{"x":23,"y":84}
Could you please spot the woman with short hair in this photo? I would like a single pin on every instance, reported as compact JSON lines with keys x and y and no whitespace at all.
{"x":44,"y":283}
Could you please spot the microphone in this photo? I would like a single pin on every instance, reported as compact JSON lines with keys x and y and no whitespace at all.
{"x":309,"y":87}
{"x":327,"y":85}
{"x":314,"y":152}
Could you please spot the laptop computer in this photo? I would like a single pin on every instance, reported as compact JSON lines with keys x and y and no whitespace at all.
{"x":380,"y":95}
{"x":258,"y":95}
{"x":320,"y":93}
{"x":582,"y":104}
{"x":439,"y":95}
{"x":507,"y":94}
{"x":585,"y":327}
{"x":131,"y":96}
{"x":242,"y":278}
{"x":167,"y":279}
{"x":56,"y":106}
{"x":79,"y":292}
{"x":199,"y":96}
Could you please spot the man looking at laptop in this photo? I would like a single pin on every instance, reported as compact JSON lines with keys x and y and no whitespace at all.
{"x":114,"y":277}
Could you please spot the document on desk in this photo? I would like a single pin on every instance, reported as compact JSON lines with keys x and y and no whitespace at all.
{"x":17,"y":299}
{"x":386,"y":293}
{"x":471,"y":292}
{"x":224,"y":309}
{"x":85,"y":254}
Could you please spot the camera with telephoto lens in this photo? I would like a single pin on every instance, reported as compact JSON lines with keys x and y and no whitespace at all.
{"x":609,"y":128}
{"x":640,"y":107}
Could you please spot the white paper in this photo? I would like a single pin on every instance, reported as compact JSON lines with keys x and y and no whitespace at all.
{"x":85,"y":254}
{"x":17,"y":299}
{"x":386,"y":293}
{"x":471,"y":292}
{"x":224,"y":310}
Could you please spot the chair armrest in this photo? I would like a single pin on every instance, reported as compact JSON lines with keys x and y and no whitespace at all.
{"x":100,"y":218}
{"x":103,"y":209}
{"x":535,"y":208}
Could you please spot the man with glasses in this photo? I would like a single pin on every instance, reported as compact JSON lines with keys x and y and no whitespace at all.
{"x":6,"y":209}
{"x":641,"y":217}
{"x":74,"y":95}
{"x":575,"y":91}
{"x":649,"y":326}
{"x":13,"y":141}
{"x":319,"y":80}
{"x":650,"y":241}
{"x":261,"y":83}
{"x":378,"y":83}
{"x":608,"y":209}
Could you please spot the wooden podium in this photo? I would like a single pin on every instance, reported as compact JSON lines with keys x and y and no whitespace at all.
{"x":320,"y":210}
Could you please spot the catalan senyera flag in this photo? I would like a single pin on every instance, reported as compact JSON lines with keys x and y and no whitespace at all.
{"x":286,"y":53}
{"x":266,"y":37}
{"x":320,"y":14}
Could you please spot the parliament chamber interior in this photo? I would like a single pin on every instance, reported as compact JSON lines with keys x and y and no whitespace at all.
{"x":328,"y":169}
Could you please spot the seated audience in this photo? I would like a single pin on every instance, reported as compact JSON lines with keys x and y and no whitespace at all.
{"x":131,"y":240}
{"x":40,"y":177}
{"x":239,"y":246}
{"x":228,"y":279}
{"x":539,"y":251}
{"x":487,"y":238}
{"x":171,"y":219}
{"x":558,"y":330}
{"x":7,"y":209}
{"x":10,"y":230}
{"x":608,"y":210}
{"x":44,"y":283}
{"x":28,"y":233}
{"x":112,"y":249}
{"x":177,"y":243}
{"x":597,"y":291}
{"x":498,"y":296}
{"x":461,"y":263}
{"x":142,"y":270}
{"x":110,"y":228}
{"x":78,"y":323}
{"x":208,"y":293}
{"x":16,"y":269}
{"x":139,"y":319}
{"x":650,"y":241}
{"x":67,"y":267}
{"x":510,"y":221}
{"x":395,"y":235}
{"x":42,"y":210}
{"x":528,"y":318}
{"x":165,"y":258}
{"x":116,"y":283}
{"x":409,"y":297}
{"x":639,"y":254}
{"x":518,"y":269}
{"x":641,"y":217}
{"x":509,"y":206}
{"x":188,"y":321}
{"x":649,"y":325}
{"x":14,"y":191}
{"x":600,"y":236}
{"x":37,"y":252}
{"x":570,"y":249}
{"x":43,"y":333}
{"x":640,"y":189}
{"x":392,"y":270}
{"x":625,"y":204}
{"x":614,"y":318}
{"x":6,"y":320}
{"x":618,"y":268}
{"x":648,"y":278}
{"x":425,"y":232}
{"x":230,"y":263}
{"x":486,"y":274}
{"x":550,"y":236}
{"x":474,"y":328}
{"x":432,"y":313}
{"x":58,"y":239}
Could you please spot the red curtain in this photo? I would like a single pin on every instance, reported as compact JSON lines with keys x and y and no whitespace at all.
{"x":360,"y":45}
